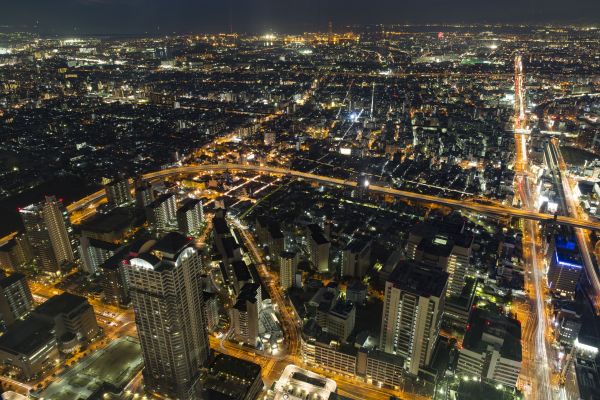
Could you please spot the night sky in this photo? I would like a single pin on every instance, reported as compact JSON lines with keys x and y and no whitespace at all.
{"x":165,"y":16}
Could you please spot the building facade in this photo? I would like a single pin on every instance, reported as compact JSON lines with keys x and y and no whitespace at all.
{"x":165,"y":289}
{"x":412,"y":312}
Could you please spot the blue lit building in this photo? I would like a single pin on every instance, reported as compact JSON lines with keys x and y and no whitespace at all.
{"x":565,"y":267}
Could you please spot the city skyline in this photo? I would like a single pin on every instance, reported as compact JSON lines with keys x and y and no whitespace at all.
{"x":71,"y":17}
{"x":339,"y":211}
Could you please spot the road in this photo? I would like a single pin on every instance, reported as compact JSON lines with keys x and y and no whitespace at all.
{"x":481,"y":207}
{"x":536,"y":375}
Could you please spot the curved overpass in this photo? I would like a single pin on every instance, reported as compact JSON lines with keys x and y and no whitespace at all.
{"x":480,"y":207}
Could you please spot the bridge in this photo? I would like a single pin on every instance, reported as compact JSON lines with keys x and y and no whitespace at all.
{"x":479,"y":206}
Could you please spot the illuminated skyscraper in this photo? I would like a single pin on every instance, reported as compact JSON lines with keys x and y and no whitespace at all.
{"x":166,"y":292}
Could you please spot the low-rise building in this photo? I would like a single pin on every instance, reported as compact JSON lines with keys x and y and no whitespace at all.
{"x":69,"y":314}
{"x":231,"y":378}
{"x":491,"y":348}
{"x":29,"y":347}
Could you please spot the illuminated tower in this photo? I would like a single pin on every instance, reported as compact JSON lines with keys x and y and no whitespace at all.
{"x":165,"y":289}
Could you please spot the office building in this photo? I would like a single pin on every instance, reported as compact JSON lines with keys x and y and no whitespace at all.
{"x":288,"y":264}
{"x":161,"y":213}
{"x":356,"y":292}
{"x":457,"y":309}
{"x":412,"y":313}
{"x":46,"y":225}
{"x":118,"y":192}
{"x":444,"y":245}
{"x":165,"y":289}
{"x":491,"y":348}
{"x":190,"y":216}
{"x":565,"y":266}
{"x":381,"y":368}
{"x":16,"y":300}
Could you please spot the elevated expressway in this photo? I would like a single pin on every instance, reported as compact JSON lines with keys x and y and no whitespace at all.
{"x":481,"y":206}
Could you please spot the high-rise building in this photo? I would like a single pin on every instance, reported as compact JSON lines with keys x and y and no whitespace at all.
{"x":115,"y":290}
{"x":165,"y":289}
{"x":319,"y":248}
{"x":211,"y":310}
{"x":162,"y":212}
{"x":95,"y":252}
{"x":565,"y":266}
{"x":15,"y":253}
{"x":16,"y":300}
{"x":46,"y":225}
{"x":288,"y":263}
{"x":356,"y":258}
{"x":118,"y":192}
{"x":58,"y":225}
{"x":144,"y":194}
{"x":190,"y":216}
{"x":244,"y":314}
{"x":412,"y":313}
{"x":445,"y":246}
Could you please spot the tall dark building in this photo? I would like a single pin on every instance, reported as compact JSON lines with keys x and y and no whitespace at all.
{"x":166,"y":292}
{"x":144,"y":194}
{"x":47,"y":228}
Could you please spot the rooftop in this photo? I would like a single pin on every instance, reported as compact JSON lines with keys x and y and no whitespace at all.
{"x":27,"y":336}
{"x":11,"y":279}
{"x":419,"y":280}
{"x":483,"y":323}
{"x":63,"y":303}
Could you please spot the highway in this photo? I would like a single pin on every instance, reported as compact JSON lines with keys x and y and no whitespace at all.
{"x":482,"y":207}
